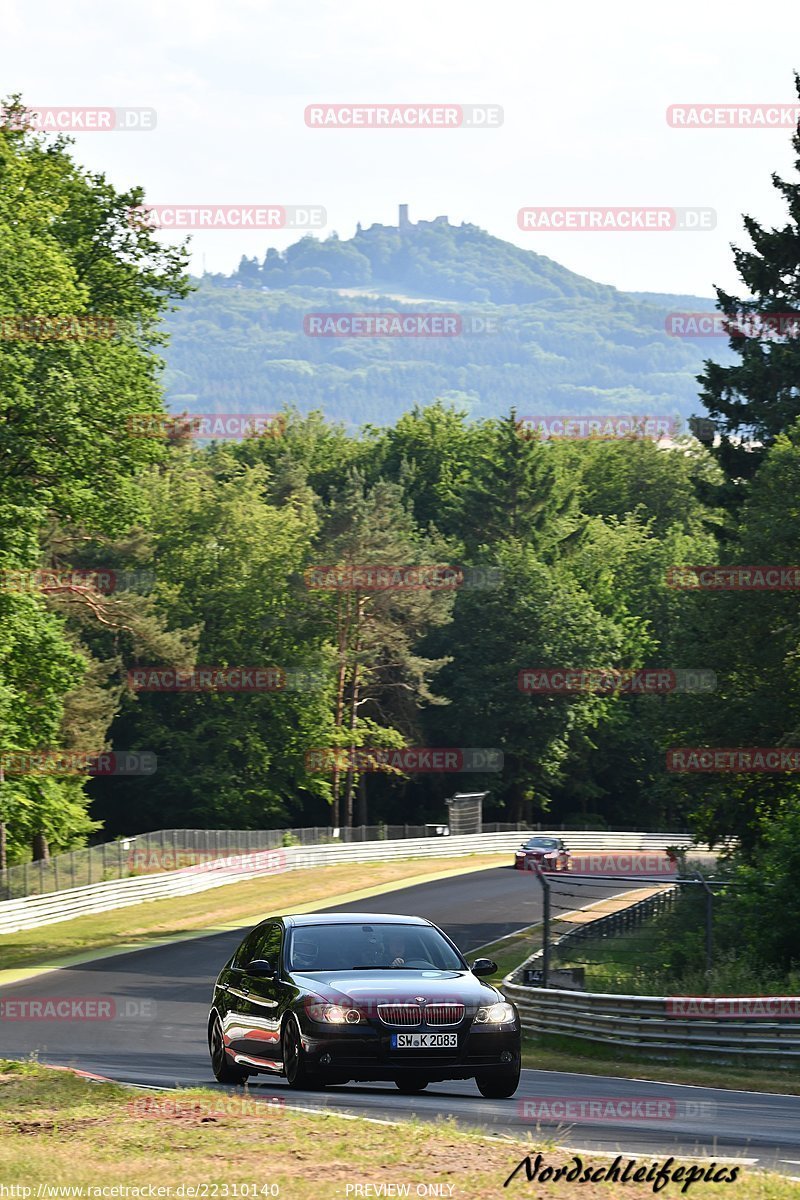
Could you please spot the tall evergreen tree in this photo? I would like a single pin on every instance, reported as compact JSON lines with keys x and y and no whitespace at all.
{"x":757,"y":398}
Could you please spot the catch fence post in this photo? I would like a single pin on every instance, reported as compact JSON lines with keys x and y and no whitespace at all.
{"x":545,"y":927}
{"x":709,"y":922}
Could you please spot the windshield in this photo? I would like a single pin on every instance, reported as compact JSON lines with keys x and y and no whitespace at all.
{"x":371,"y":947}
{"x":542,"y":844}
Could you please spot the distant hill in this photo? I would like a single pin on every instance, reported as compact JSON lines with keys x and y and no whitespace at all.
{"x":552,"y":340}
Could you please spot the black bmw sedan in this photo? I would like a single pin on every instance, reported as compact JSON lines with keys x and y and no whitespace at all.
{"x":333,"y":997}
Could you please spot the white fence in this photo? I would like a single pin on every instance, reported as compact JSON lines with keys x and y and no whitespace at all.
{"x":32,"y":911}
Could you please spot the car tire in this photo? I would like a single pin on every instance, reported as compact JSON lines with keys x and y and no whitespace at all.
{"x":295,"y":1065}
{"x":498,"y":1085}
{"x":409,"y":1085}
{"x":224,"y":1070}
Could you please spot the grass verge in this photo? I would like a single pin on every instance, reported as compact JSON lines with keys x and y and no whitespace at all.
{"x":584,"y":1058}
{"x":229,"y":906}
{"x":57,"y":1130}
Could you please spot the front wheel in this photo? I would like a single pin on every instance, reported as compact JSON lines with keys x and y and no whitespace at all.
{"x":295,"y":1065}
{"x":224,"y":1070}
{"x":498,"y":1085}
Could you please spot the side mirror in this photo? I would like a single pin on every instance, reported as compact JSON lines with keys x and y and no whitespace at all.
{"x":483,"y":966}
{"x":261,"y":968}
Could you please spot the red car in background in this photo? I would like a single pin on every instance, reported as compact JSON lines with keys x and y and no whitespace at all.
{"x":549,"y":853}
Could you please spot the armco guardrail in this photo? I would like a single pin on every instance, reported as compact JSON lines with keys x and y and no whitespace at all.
{"x":659,"y":1023}
{"x":717,"y":1026}
{"x":32,"y":911}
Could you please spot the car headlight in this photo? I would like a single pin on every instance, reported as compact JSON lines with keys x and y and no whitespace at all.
{"x":495,"y":1014}
{"x":335,"y":1014}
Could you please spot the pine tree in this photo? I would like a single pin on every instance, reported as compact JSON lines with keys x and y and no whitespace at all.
{"x":757,"y":398}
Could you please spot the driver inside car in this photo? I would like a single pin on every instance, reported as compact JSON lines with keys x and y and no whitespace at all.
{"x":305,"y":953}
{"x":397,"y":950}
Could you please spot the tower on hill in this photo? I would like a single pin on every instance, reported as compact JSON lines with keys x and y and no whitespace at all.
{"x":404,"y":224}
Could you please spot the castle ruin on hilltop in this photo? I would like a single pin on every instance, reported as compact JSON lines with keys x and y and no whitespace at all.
{"x":404,"y":224}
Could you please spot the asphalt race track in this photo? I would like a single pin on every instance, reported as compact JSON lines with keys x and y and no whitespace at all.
{"x":158,"y":1037}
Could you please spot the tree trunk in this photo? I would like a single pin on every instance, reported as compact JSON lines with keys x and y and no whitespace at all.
{"x":343,"y":623}
{"x":362,"y":800}
{"x":348,"y":791}
{"x":516,"y":797}
{"x":41,"y":850}
{"x":348,"y":795}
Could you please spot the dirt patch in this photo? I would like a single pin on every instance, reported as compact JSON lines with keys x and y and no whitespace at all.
{"x":35,"y":1128}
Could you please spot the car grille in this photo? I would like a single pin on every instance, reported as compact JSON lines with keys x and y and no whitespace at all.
{"x":444,"y":1014}
{"x":411,"y":1014}
{"x":400,"y":1014}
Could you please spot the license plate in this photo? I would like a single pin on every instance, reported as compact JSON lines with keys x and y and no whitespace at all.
{"x":424,"y":1041}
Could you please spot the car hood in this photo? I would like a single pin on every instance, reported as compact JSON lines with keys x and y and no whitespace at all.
{"x":397,"y":985}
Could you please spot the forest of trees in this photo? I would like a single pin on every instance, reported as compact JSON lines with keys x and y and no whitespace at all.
{"x":563,"y":553}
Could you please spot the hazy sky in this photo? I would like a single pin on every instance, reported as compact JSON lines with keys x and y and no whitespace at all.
{"x":584,"y":87}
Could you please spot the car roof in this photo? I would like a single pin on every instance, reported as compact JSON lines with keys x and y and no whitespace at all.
{"x":350,"y":918}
